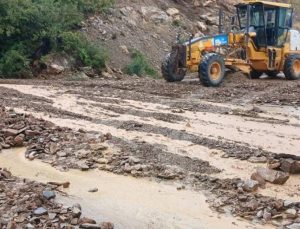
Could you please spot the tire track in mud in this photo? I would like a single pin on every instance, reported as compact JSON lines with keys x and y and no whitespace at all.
{"x":193,"y":172}
{"x":234,"y":149}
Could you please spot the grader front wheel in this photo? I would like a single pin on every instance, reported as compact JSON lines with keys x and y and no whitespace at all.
{"x":170,"y":70}
{"x":212,"y":70}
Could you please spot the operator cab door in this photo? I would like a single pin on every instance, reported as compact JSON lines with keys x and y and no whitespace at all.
{"x":270,"y":23}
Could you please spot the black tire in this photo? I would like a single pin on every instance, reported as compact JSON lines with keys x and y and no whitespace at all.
{"x":206,"y":75}
{"x":291,"y":67}
{"x":255,"y":74}
{"x":272,"y":74}
{"x":169,"y":69}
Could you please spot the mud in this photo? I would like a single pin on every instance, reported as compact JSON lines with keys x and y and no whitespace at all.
{"x":203,"y":139}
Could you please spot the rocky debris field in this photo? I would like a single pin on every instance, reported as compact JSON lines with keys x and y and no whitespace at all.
{"x":28,"y":204}
{"x":199,"y":138}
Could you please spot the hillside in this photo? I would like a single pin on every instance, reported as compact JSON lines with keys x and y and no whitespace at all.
{"x":152,"y":26}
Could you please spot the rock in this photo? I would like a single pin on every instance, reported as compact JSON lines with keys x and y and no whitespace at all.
{"x":154,"y":14}
{"x":83,"y":166}
{"x":49,"y":194}
{"x":290,"y":165}
{"x":85,"y":220}
{"x":253,"y":205}
{"x":288,"y":203}
{"x":106,"y":75}
{"x":258,"y":159}
{"x":102,"y":161}
{"x":40,"y":211}
{"x":124,"y":49}
{"x":294,"y":226}
{"x":255,"y":176}
{"x":172,"y":12}
{"x":275,"y":177}
{"x":52,"y":216}
{"x":74,"y":221}
{"x":278,"y":204}
{"x":10,"y":132}
{"x":106,"y":225}
{"x":260,"y":214}
{"x":250,"y":185}
{"x":29,"y":226}
{"x":291,"y":213}
{"x":31,"y":133}
{"x":273,"y":165}
{"x":93,"y":190}
{"x":90,"y":226}
{"x":267,"y":216}
{"x":211,"y":20}
{"x":76,"y":211}
{"x":19,"y":140}
{"x":55,"y":69}
{"x":79,"y":76}
{"x":133,"y":160}
{"x":201,"y":26}
{"x":61,"y":154}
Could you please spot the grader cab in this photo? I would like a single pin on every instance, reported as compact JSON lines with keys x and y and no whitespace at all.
{"x":262,"y":42}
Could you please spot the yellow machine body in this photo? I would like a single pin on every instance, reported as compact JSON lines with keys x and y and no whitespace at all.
{"x":263,"y":43}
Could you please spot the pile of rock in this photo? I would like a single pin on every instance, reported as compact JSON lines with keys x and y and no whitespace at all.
{"x":25,"y":204}
{"x":61,"y":147}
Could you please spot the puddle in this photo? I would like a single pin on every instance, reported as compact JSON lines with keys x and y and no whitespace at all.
{"x":125,"y":201}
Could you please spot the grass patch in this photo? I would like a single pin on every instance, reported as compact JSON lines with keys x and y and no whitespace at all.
{"x":139,"y":65}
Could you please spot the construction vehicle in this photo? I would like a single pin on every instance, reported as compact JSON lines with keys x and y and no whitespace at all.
{"x":262,"y":42}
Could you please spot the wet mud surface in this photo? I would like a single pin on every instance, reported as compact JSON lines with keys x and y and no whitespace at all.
{"x":179,"y":132}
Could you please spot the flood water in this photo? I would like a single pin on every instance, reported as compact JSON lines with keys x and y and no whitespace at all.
{"x":127,"y":202}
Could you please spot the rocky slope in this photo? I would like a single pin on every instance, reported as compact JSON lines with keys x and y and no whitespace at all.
{"x":152,"y":26}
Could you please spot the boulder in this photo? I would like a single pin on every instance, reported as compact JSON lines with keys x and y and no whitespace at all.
{"x":172,"y":12}
{"x":272,"y":176}
{"x":201,"y":26}
{"x":55,"y":69}
{"x":291,"y":213}
{"x":255,"y":176}
{"x":154,"y":14}
{"x":290,"y":165}
{"x":250,"y":185}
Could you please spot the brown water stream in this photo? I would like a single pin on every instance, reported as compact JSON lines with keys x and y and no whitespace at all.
{"x":126,"y":201}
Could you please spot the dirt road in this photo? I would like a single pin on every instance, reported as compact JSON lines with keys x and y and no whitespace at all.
{"x":210,"y":133}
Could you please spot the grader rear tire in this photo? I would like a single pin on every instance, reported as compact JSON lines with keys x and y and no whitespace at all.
{"x":292,"y":67}
{"x":212,"y":70}
{"x":272,"y":74}
{"x":255,"y":74}
{"x":170,"y":70}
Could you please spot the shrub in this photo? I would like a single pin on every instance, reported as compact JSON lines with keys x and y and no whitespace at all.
{"x":14,"y":63}
{"x":93,"y":6}
{"x":36,"y":25}
{"x":86,"y":53}
{"x":139,"y":65}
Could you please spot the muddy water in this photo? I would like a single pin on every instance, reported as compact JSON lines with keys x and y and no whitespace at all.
{"x":128,"y":202}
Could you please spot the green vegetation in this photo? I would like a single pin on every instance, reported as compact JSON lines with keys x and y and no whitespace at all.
{"x":139,"y":65}
{"x":30,"y":29}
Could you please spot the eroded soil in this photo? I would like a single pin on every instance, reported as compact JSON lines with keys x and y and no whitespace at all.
{"x":204,"y":139}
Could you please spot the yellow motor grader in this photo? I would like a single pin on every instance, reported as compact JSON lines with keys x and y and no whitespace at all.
{"x":262,"y":41}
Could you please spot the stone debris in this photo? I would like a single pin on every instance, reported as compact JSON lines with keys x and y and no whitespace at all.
{"x":62,"y":147}
{"x":27,"y":204}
